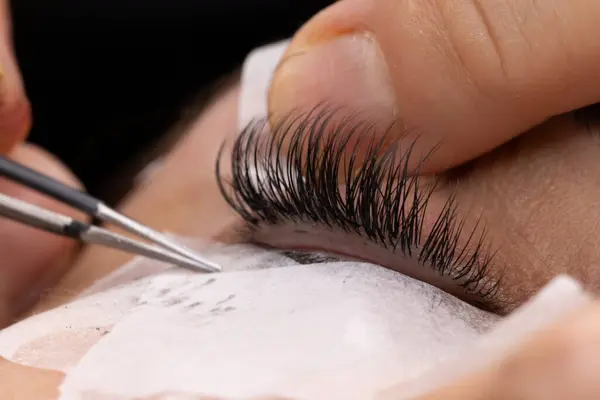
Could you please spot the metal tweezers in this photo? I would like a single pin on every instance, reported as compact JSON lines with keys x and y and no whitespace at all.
{"x":37,"y":217}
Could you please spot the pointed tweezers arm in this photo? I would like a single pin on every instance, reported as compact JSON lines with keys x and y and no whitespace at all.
{"x":49,"y":221}
{"x":92,"y":206}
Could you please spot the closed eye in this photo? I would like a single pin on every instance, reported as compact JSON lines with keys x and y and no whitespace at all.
{"x":299,"y":186}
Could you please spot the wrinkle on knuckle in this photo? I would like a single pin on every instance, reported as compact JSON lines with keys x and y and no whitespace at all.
{"x":486,"y":40}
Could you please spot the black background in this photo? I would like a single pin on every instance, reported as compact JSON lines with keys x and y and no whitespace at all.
{"x":106,"y":78}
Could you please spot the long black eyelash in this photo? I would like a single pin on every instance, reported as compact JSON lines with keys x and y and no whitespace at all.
{"x":271,"y":184}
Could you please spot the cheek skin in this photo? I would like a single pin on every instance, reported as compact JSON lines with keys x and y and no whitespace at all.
{"x":539,"y":199}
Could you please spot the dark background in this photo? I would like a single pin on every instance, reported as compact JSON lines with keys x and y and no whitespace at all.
{"x":107,"y":77}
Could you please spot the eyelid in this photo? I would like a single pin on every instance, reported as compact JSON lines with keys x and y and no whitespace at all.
{"x":379,"y":200}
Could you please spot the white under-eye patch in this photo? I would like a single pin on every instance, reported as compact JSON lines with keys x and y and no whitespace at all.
{"x":301,"y":332}
{"x":256,"y":77}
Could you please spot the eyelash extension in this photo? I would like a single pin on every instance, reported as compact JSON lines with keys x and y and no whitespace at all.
{"x":292,"y":175}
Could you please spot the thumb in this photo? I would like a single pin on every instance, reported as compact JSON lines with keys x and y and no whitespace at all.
{"x":466,"y":76}
{"x":15,"y":113}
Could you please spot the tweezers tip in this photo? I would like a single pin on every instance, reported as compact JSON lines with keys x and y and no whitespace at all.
{"x":212,"y":267}
{"x":108,"y":214}
{"x":202,"y":263}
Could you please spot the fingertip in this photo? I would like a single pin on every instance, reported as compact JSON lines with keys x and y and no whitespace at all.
{"x":333,"y":58}
{"x":336,"y":59}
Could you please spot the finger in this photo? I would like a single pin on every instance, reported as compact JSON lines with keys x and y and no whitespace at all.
{"x":32,"y":260}
{"x":23,"y":382}
{"x":464,"y":75}
{"x":15,"y":112}
{"x":562,"y":362}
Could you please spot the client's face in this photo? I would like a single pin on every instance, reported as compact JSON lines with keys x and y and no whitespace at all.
{"x":491,"y":232}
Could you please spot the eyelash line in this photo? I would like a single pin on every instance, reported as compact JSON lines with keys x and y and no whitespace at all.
{"x":381,"y":200}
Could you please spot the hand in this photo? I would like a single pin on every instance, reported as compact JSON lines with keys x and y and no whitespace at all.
{"x":31,"y":260}
{"x":466,"y":75}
